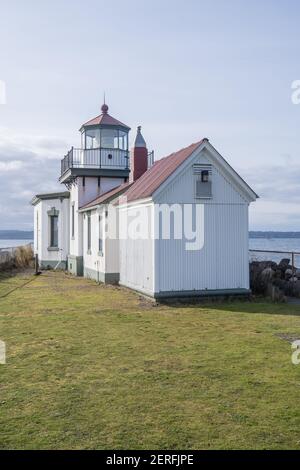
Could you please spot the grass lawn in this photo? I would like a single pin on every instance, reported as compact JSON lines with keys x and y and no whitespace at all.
{"x":92,"y":366}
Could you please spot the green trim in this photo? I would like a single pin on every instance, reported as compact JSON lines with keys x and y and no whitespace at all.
{"x":53,"y":212}
{"x":73,"y":173}
{"x":41,"y":197}
{"x":53,"y":248}
{"x":201,"y":293}
{"x":50,"y":264}
{"x":106,"y":278}
{"x":120,"y":127}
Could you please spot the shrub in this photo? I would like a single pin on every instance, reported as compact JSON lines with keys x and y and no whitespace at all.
{"x":23,"y":256}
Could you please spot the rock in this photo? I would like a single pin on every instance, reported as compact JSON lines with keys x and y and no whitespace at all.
{"x":295,"y":289}
{"x":278,"y":273}
{"x":293,"y":279}
{"x":283,"y":265}
{"x":275,"y":293}
{"x":297,"y":273}
{"x":267,"y":274}
{"x":288,"y":273}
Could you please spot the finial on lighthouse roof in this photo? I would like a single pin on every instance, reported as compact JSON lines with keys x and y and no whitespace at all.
{"x":139,"y":140}
{"x":104,"y":108}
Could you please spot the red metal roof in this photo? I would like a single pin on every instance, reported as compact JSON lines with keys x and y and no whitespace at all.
{"x":108,"y":195}
{"x":158,"y":173}
{"x":104,"y":118}
{"x":150,"y":180}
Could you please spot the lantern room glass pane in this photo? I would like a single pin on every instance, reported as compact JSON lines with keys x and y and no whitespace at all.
{"x":123,"y":137}
{"x":109,"y":138}
{"x":92,"y":138}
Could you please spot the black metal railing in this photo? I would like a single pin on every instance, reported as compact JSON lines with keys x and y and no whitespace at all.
{"x":95,"y":158}
{"x":275,"y":255}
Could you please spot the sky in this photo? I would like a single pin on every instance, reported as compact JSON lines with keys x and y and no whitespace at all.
{"x":183,"y":70}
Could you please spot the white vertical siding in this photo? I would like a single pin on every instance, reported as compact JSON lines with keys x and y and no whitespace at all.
{"x":80,"y":195}
{"x":222,"y":263}
{"x":136,"y":256}
{"x":106,"y":262}
{"x":182,"y":188}
{"x":62,"y":205}
{"x":92,"y":259}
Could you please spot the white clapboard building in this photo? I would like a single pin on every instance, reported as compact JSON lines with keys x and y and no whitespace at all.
{"x":174,"y":227}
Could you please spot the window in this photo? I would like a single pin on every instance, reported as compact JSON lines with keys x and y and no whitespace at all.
{"x":37,"y":230}
{"x":54,"y":231}
{"x":92,"y":138}
{"x":109,"y":138}
{"x":204,"y":176}
{"x":89,"y":233}
{"x":100,"y":246}
{"x":73,"y":220}
{"x":123,"y":143}
{"x":203,"y":183}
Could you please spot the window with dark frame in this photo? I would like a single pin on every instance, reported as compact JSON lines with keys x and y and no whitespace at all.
{"x":100,"y":247}
{"x":203,"y":180}
{"x":73,"y":221}
{"x":89,"y":232}
{"x":37,"y":230}
{"x":204,"y":176}
{"x":54,"y":231}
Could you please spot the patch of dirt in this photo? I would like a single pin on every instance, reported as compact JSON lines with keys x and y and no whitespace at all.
{"x":146,"y":303}
{"x":290,"y":337}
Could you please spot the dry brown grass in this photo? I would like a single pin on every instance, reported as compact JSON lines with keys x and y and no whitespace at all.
{"x":20,"y":258}
{"x":23,"y":256}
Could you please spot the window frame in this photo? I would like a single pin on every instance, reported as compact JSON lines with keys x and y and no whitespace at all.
{"x":53,"y":214}
{"x":73,"y":221}
{"x":100,"y":235}
{"x":89,"y":233}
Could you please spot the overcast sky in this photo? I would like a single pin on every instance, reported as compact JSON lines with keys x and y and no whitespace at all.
{"x":183,"y":70}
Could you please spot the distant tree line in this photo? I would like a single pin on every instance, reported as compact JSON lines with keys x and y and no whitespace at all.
{"x":254,"y":234}
{"x":16,"y":235}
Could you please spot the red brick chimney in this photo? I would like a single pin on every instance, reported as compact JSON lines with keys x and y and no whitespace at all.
{"x":138,"y":157}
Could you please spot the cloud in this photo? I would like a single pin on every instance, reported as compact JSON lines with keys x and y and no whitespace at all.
{"x":11,"y":166}
{"x":278,"y":188}
{"x":27,"y":166}
{"x":31,"y":164}
{"x":276,"y":183}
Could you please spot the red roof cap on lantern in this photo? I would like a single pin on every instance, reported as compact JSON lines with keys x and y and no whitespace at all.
{"x":104,"y":119}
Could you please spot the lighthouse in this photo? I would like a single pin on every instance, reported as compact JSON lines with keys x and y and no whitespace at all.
{"x":100,"y":164}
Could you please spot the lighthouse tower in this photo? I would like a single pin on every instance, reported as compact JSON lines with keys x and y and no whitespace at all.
{"x":100,"y":164}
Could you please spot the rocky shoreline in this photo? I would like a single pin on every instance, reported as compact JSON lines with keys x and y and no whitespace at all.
{"x":277,"y":280}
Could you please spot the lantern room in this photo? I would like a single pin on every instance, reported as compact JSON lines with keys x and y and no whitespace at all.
{"x":103,"y":151}
{"x":104,"y":132}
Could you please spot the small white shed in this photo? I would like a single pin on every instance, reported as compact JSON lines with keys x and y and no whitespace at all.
{"x":198,"y":181}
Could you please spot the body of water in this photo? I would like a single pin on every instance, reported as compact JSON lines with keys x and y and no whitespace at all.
{"x":275,"y":244}
{"x":272,"y":244}
{"x":9,"y":243}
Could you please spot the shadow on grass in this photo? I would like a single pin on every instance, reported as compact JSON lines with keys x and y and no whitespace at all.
{"x":259,"y":305}
{"x":13,"y":279}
